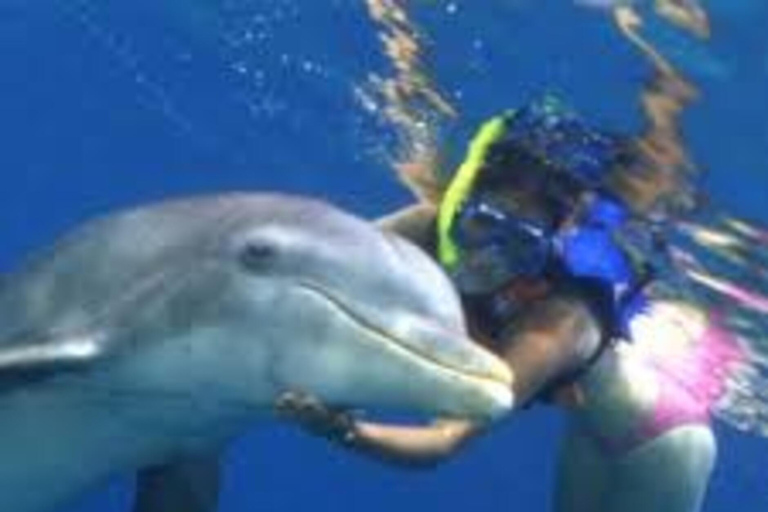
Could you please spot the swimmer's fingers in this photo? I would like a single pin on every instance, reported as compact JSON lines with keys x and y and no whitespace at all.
{"x":314,"y":416}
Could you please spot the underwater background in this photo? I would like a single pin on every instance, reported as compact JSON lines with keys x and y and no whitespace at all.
{"x":107,"y":103}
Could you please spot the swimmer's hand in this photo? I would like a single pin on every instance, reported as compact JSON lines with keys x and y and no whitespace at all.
{"x":315,"y":417}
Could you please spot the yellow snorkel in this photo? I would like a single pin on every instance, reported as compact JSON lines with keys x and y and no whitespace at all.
{"x":461,"y":186}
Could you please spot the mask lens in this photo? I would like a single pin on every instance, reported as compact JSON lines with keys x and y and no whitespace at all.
{"x":479,"y":225}
{"x":501,"y":239}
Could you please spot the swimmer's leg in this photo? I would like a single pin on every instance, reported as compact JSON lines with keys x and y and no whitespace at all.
{"x":669,"y":473}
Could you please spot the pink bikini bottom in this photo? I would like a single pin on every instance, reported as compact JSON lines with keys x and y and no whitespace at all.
{"x":689,"y":386}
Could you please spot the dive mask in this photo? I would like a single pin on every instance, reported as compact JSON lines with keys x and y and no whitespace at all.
{"x":499,"y":244}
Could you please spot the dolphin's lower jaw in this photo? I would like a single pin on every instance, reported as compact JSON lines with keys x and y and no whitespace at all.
{"x":476,"y":386}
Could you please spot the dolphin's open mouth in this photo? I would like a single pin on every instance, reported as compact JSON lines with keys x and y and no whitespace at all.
{"x":493,"y":371}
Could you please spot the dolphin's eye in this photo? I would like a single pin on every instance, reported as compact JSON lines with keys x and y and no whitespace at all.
{"x":257,"y":254}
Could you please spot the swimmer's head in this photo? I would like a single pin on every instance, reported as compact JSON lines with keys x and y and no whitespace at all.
{"x":528,"y":174}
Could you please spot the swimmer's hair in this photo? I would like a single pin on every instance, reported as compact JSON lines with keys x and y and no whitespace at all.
{"x":650,"y":188}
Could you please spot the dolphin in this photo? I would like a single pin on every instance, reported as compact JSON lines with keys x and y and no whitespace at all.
{"x":158,"y":333}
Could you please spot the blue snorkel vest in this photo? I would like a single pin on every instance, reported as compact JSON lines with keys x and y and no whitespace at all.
{"x":591,"y":251}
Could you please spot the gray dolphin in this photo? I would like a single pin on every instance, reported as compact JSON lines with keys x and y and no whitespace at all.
{"x":156,"y":334}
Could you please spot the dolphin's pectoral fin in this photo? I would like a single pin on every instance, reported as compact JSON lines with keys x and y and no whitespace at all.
{"x":190,"y":486}
{"x":25,"y":360}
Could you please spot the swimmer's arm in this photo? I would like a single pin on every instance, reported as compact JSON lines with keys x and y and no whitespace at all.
{"x":416,"y":223}
{"x":412,"y":446}
{"x":418,"y":446}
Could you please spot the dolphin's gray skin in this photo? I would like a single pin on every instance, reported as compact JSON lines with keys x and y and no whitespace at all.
{"x":154,"y":335}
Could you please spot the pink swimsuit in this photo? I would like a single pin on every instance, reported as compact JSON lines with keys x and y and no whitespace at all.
{"x":689,"y":385}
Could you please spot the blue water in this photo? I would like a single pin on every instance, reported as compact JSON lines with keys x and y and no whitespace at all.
{"x":107,"y":103}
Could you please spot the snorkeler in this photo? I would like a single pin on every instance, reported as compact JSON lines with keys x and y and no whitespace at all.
{"x":550,"y":230}
{"x":546,"y":229}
